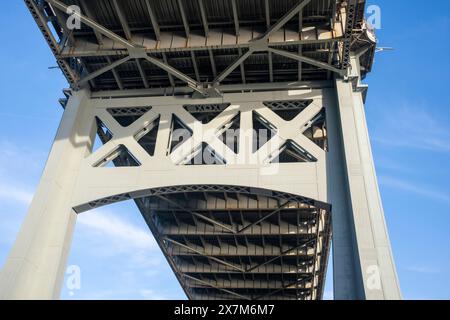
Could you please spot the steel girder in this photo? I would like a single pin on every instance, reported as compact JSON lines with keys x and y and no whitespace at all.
{"x":125,"y":53}
{"x":236,"y":253}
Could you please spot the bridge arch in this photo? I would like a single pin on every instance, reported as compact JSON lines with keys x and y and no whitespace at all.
{"x":322,"y":77}
{"x":225,"y":241}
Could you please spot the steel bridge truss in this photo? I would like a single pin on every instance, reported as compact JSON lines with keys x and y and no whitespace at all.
{"x":284,"y":76}
{"x":225,"y":242}
{"x":201,"y":56}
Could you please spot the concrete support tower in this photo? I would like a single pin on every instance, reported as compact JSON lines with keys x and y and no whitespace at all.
{"x":238,"y":129}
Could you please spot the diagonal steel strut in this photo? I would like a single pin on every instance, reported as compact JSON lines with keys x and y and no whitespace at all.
{"x":132,"y":48}
{"x":101,"y":71}
{"x":91,"y":23}
{"x":307,"y":60}
{"x":285,"y":19}
{"x":198,"y":215}
{"x":216,"y":287}
{"x":204,"y":255}
{"x":137,"y":51}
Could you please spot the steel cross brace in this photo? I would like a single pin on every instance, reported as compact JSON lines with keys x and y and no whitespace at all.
{"x":134,"y":51}
{"x":216,"y":287}
{"x":294,"y":283}
{"x":221,"y":225}
{"x":205,"y":89}
{"x":240,"y":269}
{"x":284,"y":253}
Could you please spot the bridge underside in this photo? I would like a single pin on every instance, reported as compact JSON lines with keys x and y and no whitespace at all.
{"x":234,"y":242}
{"x":140,"y":70}
{"x":227,"y":242}
{"x":199,"y":44}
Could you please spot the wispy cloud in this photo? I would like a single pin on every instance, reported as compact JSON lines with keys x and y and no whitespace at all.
{"x":415,"y":188}
{"x":148,"y":294}
{"x":18,"y":167}
{"x":126,"y":250}
{"x":413,"y":128}
{"x":16,"y":160}
{"x":423,"y":269}
{"x":385,"y":162}
{"x":115,"y":294}
{"x":109,"y":224}
{"x":13,"y":194}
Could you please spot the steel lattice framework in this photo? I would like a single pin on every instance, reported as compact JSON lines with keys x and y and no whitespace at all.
{"x":223,"y":241}
{"x":140,"y":70}
{"x":203,"y":44}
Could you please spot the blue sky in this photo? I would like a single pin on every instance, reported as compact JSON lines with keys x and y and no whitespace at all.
{"x":408,"y":111}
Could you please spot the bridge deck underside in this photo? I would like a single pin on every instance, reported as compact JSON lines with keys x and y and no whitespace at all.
{"x":201,"y":40}
{"x":230,"y":245}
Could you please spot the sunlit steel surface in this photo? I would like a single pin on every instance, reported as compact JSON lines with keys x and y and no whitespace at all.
{"x":223,"y":242}
{"x":201,"y":39}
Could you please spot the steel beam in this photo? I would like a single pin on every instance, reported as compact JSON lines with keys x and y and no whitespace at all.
{"x":231,"y":250}
{"x":132,"y":47}
{"x":94,"y":25}
{"x":300,"y":47}
{"x":194,"y":65}
{"x":203,"y":16}
{"x":142,"y":73}
{"x":283,"y":20}
{"x":218,"y":288}
{"x":307,"y":60}
{"x":89,"y":14}
{"x":115,"y":74}
{"x":198,"y":215}
{"x":122,"y":19}
{"x":101,"y":71}
{"x":174,"y":72}
{"x":303,"y":85}
{"x":153,"y":20}
{"x":197,"y":43}
{"x":235,"y":17}
{"x":184,"y":18}
{"x":201,"y":254}
{"x":231,"y":67}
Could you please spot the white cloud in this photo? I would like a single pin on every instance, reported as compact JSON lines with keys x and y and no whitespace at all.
{"x":411,"y":187}
{"x":109,"y":224}
{"x":13,"y":194}
{"x":19,"y":161}
{"x":423,"y":269}
{"x":413,"y":128}
{"x":17,"y":165}
{"x":148,"y":294}
{"x":390,"y":163}
{"x":123,"y":249}
{"x":115,"y":294}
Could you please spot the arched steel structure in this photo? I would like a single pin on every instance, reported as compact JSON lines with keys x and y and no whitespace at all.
{"x":237,"y":127}
{"x":228,"y":242}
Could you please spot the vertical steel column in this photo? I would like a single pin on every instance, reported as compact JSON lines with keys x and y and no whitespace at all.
{"x":363,"y":262}
{"x":35,"y":266}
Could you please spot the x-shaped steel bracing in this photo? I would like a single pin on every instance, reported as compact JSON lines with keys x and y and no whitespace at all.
{"x":243,"y":270}
{"x":138,"y":52}
{"x":209,"y":133}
